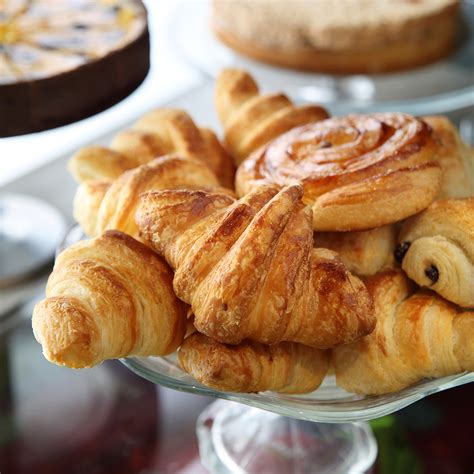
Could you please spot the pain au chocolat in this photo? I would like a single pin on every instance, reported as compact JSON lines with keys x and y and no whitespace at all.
{"x":64,"y":60}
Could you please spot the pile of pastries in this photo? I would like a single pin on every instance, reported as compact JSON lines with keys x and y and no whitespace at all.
{"x":345,"y":247}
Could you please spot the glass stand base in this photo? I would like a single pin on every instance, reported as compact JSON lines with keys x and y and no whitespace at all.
{"x":236,"y":439}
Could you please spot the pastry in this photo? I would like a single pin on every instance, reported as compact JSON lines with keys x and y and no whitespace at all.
{"x":418,"y":335}
{"x":157,"y":133}
{"x":103,"y":205}
{"x":436,"y":249}
{"x":343,"y":37}
{"x":358,"y":172}
{"x":363,"y":253}
{"x":455,"y":157}
{"x":251,"y":119}
{"x":62,"y":61}
{"x":108,"y":297}
{"x":252,"y":367}
{"x":249,"y":270}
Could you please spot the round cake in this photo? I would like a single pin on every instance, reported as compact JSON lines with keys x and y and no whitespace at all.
{"x":339,"y":36}
{"x":64,"y":60}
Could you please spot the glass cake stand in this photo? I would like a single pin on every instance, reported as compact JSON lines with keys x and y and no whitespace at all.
{"x":324,"y":431}
{"x":442,"y":87}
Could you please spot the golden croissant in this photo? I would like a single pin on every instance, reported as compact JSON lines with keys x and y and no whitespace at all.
{"x":157,"y":133}
{"x":418,"y":335}
{"x":455,"y":157}
{"x":364,"y":253}
{"x":252,"y":367}
{"x":249,"y":270}
{"x":108,"y":297}
{"x":358,"y":172}
{"x":436,"y":249}
{"x":103,"y":205}
{"x":251,"y":119}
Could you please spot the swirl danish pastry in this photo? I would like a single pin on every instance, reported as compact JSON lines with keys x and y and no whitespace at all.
{"x":358,"y":172}
{"x":418,"y":335}
{"x":436,"y":249}
{"x":249,"y":270}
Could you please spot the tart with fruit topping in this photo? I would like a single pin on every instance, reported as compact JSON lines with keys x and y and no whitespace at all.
{"x":64,"y":60}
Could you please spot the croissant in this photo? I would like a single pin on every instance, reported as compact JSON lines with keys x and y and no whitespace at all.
{"x":252,"y":367}
{"x":418,"y":335}
{"x":249,"y":270}
{"x":102,"y":205}
{"x":436,"y":249}
{"x":250,"y":119}
{"x":363,"y":253}
{"x":455,"y":157}
{"x":157,"y":133}
{"x":358,"y":172}
{"x":108,"y":297}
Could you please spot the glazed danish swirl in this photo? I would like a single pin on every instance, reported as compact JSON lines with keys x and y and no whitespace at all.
{"x":436,"y":249}
{"x":249,"y":270}
{"x":358,"y":172}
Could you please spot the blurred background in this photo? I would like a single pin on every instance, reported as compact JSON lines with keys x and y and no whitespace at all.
{"x":106,"y":419}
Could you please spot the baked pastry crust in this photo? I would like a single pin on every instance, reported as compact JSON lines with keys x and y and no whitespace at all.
{"x":251,"y":119}
{"x":436,"y":249}
{"x":358,"y":172}
{"x":418,"y":335}
{"x":249,"y":270}
{"x":357,"y":36}
{"x":159,"y":132}
{"x":252,"y":367}
{"x":103,"y":205}
{"x":107,"y":298}
{"x":51,"y":49}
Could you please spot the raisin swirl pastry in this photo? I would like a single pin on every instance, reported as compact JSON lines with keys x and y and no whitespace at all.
{"x":358,"y":172}
{"x":249,"y":270}
{"x":436,"y":249}
{"x":418,"y":335}
{"x":251,"y":119}
{"x":107,"y":298}
{"x":157,"y":133}
{"x":252,"y":367}
{"x":102,"y":205}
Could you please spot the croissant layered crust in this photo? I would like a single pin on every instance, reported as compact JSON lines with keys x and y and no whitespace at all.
{"x":108,"y":297}
{"x":249,"y":270}
{"x":103,"y":205}
{"x":436,"y":249}
{"x":159,"y":132}
{"x":358,"y":172}
{"x":252,"y":367}
{"x":418,"y":335}
{"x":251,"y":119}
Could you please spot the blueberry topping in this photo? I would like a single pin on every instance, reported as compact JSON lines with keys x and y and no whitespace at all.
{"x":432,"y":273}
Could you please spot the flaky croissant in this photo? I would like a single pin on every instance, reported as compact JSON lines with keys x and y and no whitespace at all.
{"x":436,"y":249}
{"x":157,"y":133}
{"x":252,"y":367}
{"x":455,"y":157}
{"x":358,"y":172}
{"x":107,"y":298}
{"x":251,"y":119}
{"x":103,"y":205}
{"x":364,"y":253}
{"x":418,"y":335}
{"x":249,"y":270}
